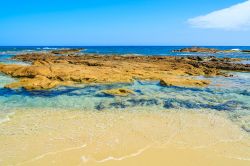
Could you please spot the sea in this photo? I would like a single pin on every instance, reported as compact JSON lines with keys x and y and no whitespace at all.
{"x":233,"y":97}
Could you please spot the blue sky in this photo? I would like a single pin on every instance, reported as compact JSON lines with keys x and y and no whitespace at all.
{"x":124,"y":22}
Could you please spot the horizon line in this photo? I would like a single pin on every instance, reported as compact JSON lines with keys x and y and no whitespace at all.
{"x":124,"y":45}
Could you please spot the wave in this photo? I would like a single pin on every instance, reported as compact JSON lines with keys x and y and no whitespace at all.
{"x":6,"y":117}
{"x":139,"y":152}
{"x":236,"y":49}
{"x":49,"y":48}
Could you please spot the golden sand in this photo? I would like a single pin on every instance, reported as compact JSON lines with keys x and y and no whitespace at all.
{"x":111,"y":138}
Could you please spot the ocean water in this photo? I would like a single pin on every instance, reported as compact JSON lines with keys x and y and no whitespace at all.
{"x":141,"y":50}
{"x":83,"y":124}
{"x":233,"y":95}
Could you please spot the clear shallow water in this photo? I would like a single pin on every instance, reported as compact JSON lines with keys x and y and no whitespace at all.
{"x":231,"y":95}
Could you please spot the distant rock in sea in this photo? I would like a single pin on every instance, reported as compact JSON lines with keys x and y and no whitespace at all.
{"x":245,"y":51}
{"x":198,"y":49}
{"x":208,"y":50}
{"x":67,"y":51}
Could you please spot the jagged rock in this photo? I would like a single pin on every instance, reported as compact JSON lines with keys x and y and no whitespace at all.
{"x":118,"y":92}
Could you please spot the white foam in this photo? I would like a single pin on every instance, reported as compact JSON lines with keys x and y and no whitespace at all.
{"x":3,"y":120}
{"x":140,"y":151}
{"x":6,"y":117}
{"x":48,"y":48}
{"x":52,"y":153}
{"x":236,"y":49}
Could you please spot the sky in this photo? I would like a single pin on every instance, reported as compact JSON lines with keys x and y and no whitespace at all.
{"x":124,"y":22}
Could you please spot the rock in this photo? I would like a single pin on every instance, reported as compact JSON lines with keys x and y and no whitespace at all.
{"x":19,"y":71}
{"x":246,"y":127}
{"x":198,"y":50}
{"x":183,"y":82}
{"x":49,"y":71}
{"x":118,"y":92}
{"x":212,"y":63}
{"x":195,"y":58}
{"x":231,"y":51}
{"x":38,"y":83}
{"x":31,"y":57}
{"x":231,"y":59}
{"x":66,"y":51}
{"x":245,"y":51}
{"x":223,"y":65}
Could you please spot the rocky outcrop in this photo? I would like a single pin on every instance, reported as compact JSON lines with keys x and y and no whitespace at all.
{"x":212,"y":59}
{"x":184,"y":82}
{"x":208,"y":50}
{"x":67,"y":51}
{"x":212,"y":62}
{"x":37,"y":83}
{"x":245,"y":51}
{"x":49,"y":71}
{"x":198,"y":50}
{"x":224,"y":64}
{"x":118,"y":92}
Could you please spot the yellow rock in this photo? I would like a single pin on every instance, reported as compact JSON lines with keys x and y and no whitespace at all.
{"x":37,"y":83}
{"x":184,"y":82}
{"x":48,"y":71}
{"x":119,"y":92}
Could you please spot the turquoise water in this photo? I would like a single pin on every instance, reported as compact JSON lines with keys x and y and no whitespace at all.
{"x":230,"y":95}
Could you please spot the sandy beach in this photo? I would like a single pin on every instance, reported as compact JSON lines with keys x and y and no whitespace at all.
{"x":38,"y":137}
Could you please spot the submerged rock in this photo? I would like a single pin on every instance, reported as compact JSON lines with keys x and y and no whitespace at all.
{"x":118,"y":92}
{"x":246,"y":127}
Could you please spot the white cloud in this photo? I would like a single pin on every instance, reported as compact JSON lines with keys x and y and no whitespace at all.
{"x":236,"y":17}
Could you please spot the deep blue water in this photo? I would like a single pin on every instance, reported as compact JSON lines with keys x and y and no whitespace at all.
{"x":143,"y":50}
{"x":232,"y":96}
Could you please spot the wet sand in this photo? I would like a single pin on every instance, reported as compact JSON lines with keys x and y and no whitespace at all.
{"x":51,"y":137}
